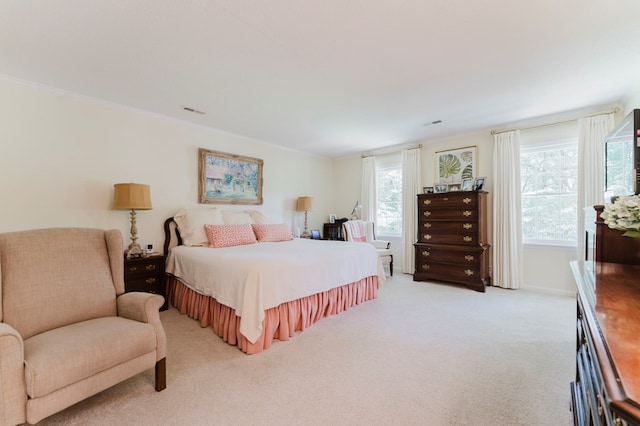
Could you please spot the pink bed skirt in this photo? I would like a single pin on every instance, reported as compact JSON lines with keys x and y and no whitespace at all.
{"x":280,"y":322}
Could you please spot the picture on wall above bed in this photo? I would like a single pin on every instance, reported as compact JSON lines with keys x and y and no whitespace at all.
{"x":228,"y":178}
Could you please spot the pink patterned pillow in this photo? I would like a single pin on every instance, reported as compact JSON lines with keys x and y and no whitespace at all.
{"x":230,"y":235}
{"x":272,"y":232}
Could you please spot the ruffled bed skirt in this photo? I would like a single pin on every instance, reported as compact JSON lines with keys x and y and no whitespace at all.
{"x":280,"y":322}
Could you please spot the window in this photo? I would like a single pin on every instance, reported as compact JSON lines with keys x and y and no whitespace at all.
{"x":549,"y":192}
{"x":389,"y":198}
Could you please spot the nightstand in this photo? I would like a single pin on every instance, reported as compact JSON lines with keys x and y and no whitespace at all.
{"x":145,"y":274}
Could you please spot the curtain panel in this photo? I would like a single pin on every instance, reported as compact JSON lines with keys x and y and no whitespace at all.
{"x":411,"y":178}
{"x":591,"y":134}
{"x":368,"y":196}
{"x":507,"y":218}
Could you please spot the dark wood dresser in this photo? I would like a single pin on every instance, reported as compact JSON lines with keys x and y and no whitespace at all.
{"x":146,"y":274}
{"x":452,"y":239}
{"x":605,"y":244}
{"x":607,"y":386}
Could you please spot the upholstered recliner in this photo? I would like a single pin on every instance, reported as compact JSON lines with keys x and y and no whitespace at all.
{"x":363,"y":231}
{"x":67,"y":329}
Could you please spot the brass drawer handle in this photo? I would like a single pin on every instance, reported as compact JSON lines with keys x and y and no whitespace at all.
{"x":427,"y":225}
{"x":468,"y":258}
{"x":426,"y":253}
{"x":427,"y":237}
{"x":133,"y":268}
{"x":426,"y":202}
{"x":425,"y":267}
{"x":466,"y":213}
{"x":467,"y":238}
{"x":427,"y":213}
{"x":151,"y":267}
{"x":466,"y":200}
{"x":468,"y":272}
{"x":468,"y":226}
{"x":150,"y":280}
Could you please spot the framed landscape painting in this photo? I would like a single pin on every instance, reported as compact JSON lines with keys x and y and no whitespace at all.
{"x":456,"y":165}
{"x":228,"y":178}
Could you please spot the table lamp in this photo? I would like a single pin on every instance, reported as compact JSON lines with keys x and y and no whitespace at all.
{"x":305,"y":204}
{"x":132,"y":196}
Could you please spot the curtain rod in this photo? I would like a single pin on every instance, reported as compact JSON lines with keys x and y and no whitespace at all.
{"x":565,"y":120}
{"x":392,"y":151}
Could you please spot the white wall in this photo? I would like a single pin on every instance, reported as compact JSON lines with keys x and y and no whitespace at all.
{"x":61,"y":154}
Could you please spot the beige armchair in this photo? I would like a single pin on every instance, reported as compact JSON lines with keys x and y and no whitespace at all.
{"x":67,"y":329}
{"x":363,"y":231}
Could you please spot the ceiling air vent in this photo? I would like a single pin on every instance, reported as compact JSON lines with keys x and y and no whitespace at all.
{"x":193,"y":110}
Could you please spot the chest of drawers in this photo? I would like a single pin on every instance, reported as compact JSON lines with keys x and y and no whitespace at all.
{"x":452,"y":239}
{"x":145,"y":274}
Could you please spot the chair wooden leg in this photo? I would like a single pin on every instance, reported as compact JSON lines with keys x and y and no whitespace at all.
{"x":391,"y":266}
{"x":161,"y":374}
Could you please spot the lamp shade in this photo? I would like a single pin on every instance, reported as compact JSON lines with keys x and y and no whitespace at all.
{"x":304,"y":204}
{"x":127,"y":196}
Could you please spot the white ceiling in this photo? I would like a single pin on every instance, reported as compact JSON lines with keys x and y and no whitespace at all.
{"x":331,"y":77}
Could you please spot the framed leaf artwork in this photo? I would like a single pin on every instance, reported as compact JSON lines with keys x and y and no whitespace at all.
{"x":456,"y":165}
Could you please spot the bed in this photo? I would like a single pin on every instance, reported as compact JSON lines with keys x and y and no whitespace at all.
{"x":253,"y":293}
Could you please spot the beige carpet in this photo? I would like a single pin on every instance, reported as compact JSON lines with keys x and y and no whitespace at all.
{"x":420,"y":354}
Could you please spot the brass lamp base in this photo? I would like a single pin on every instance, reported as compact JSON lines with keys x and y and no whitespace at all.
{"x":134,"y":250}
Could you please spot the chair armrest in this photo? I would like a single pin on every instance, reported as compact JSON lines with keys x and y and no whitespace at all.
{"x":13,"y":392}
{"x":145,"y":307}
{"x":140,"y":306}
{"x":381,"y":244}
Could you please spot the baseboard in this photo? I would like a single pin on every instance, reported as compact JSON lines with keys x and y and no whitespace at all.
{"x":557,"y":292}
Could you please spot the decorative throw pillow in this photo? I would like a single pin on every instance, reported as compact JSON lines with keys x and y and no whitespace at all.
{"x":272,"y":232}
{"x":191,"y":224}
{"x":230,"y":235}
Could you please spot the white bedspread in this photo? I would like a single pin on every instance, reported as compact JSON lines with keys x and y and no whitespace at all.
{"x":256,"y":277}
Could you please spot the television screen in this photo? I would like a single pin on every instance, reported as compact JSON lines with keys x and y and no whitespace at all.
{"x":620,"y":158}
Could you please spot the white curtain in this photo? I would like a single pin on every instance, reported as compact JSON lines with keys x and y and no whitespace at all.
{"x":507,"y":223}
{"x":410,"y":187}
{"x":591,"y":134}
{"x":368,"y":195}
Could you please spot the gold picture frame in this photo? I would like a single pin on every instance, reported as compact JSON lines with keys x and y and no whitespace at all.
{"x":456,"y":165}
{"x":225,"y":178}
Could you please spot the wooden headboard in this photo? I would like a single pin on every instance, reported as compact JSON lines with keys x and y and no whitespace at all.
{"x":168,"y":224}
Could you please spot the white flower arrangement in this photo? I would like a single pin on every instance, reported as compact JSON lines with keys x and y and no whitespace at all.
{"x":624,"y":215}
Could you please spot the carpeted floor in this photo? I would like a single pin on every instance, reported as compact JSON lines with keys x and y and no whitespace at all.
{"x":420,"y":354}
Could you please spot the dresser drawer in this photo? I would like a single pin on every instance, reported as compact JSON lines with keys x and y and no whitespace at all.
{"x":457,"y":257}
{"x":448,"y":226}
{"x":449,"y":201}
{"x":149,"y":284}
{"x":448,"y":272}
{"x":459,"y":238}
{"x":144,"y":266}
{"x":448,"y":214}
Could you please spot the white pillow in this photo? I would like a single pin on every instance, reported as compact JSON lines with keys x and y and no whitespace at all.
{"x":233,"y":217}
{"x":191,"y":224}
{"x":258,"y":217}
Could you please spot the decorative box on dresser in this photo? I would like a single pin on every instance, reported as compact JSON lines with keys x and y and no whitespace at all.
{"x":145,"y":274}
{"x":452,"y":239}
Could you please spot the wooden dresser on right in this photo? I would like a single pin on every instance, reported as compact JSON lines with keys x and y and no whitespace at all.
{"x":606,"y":390}
{"x":452,"y":239}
